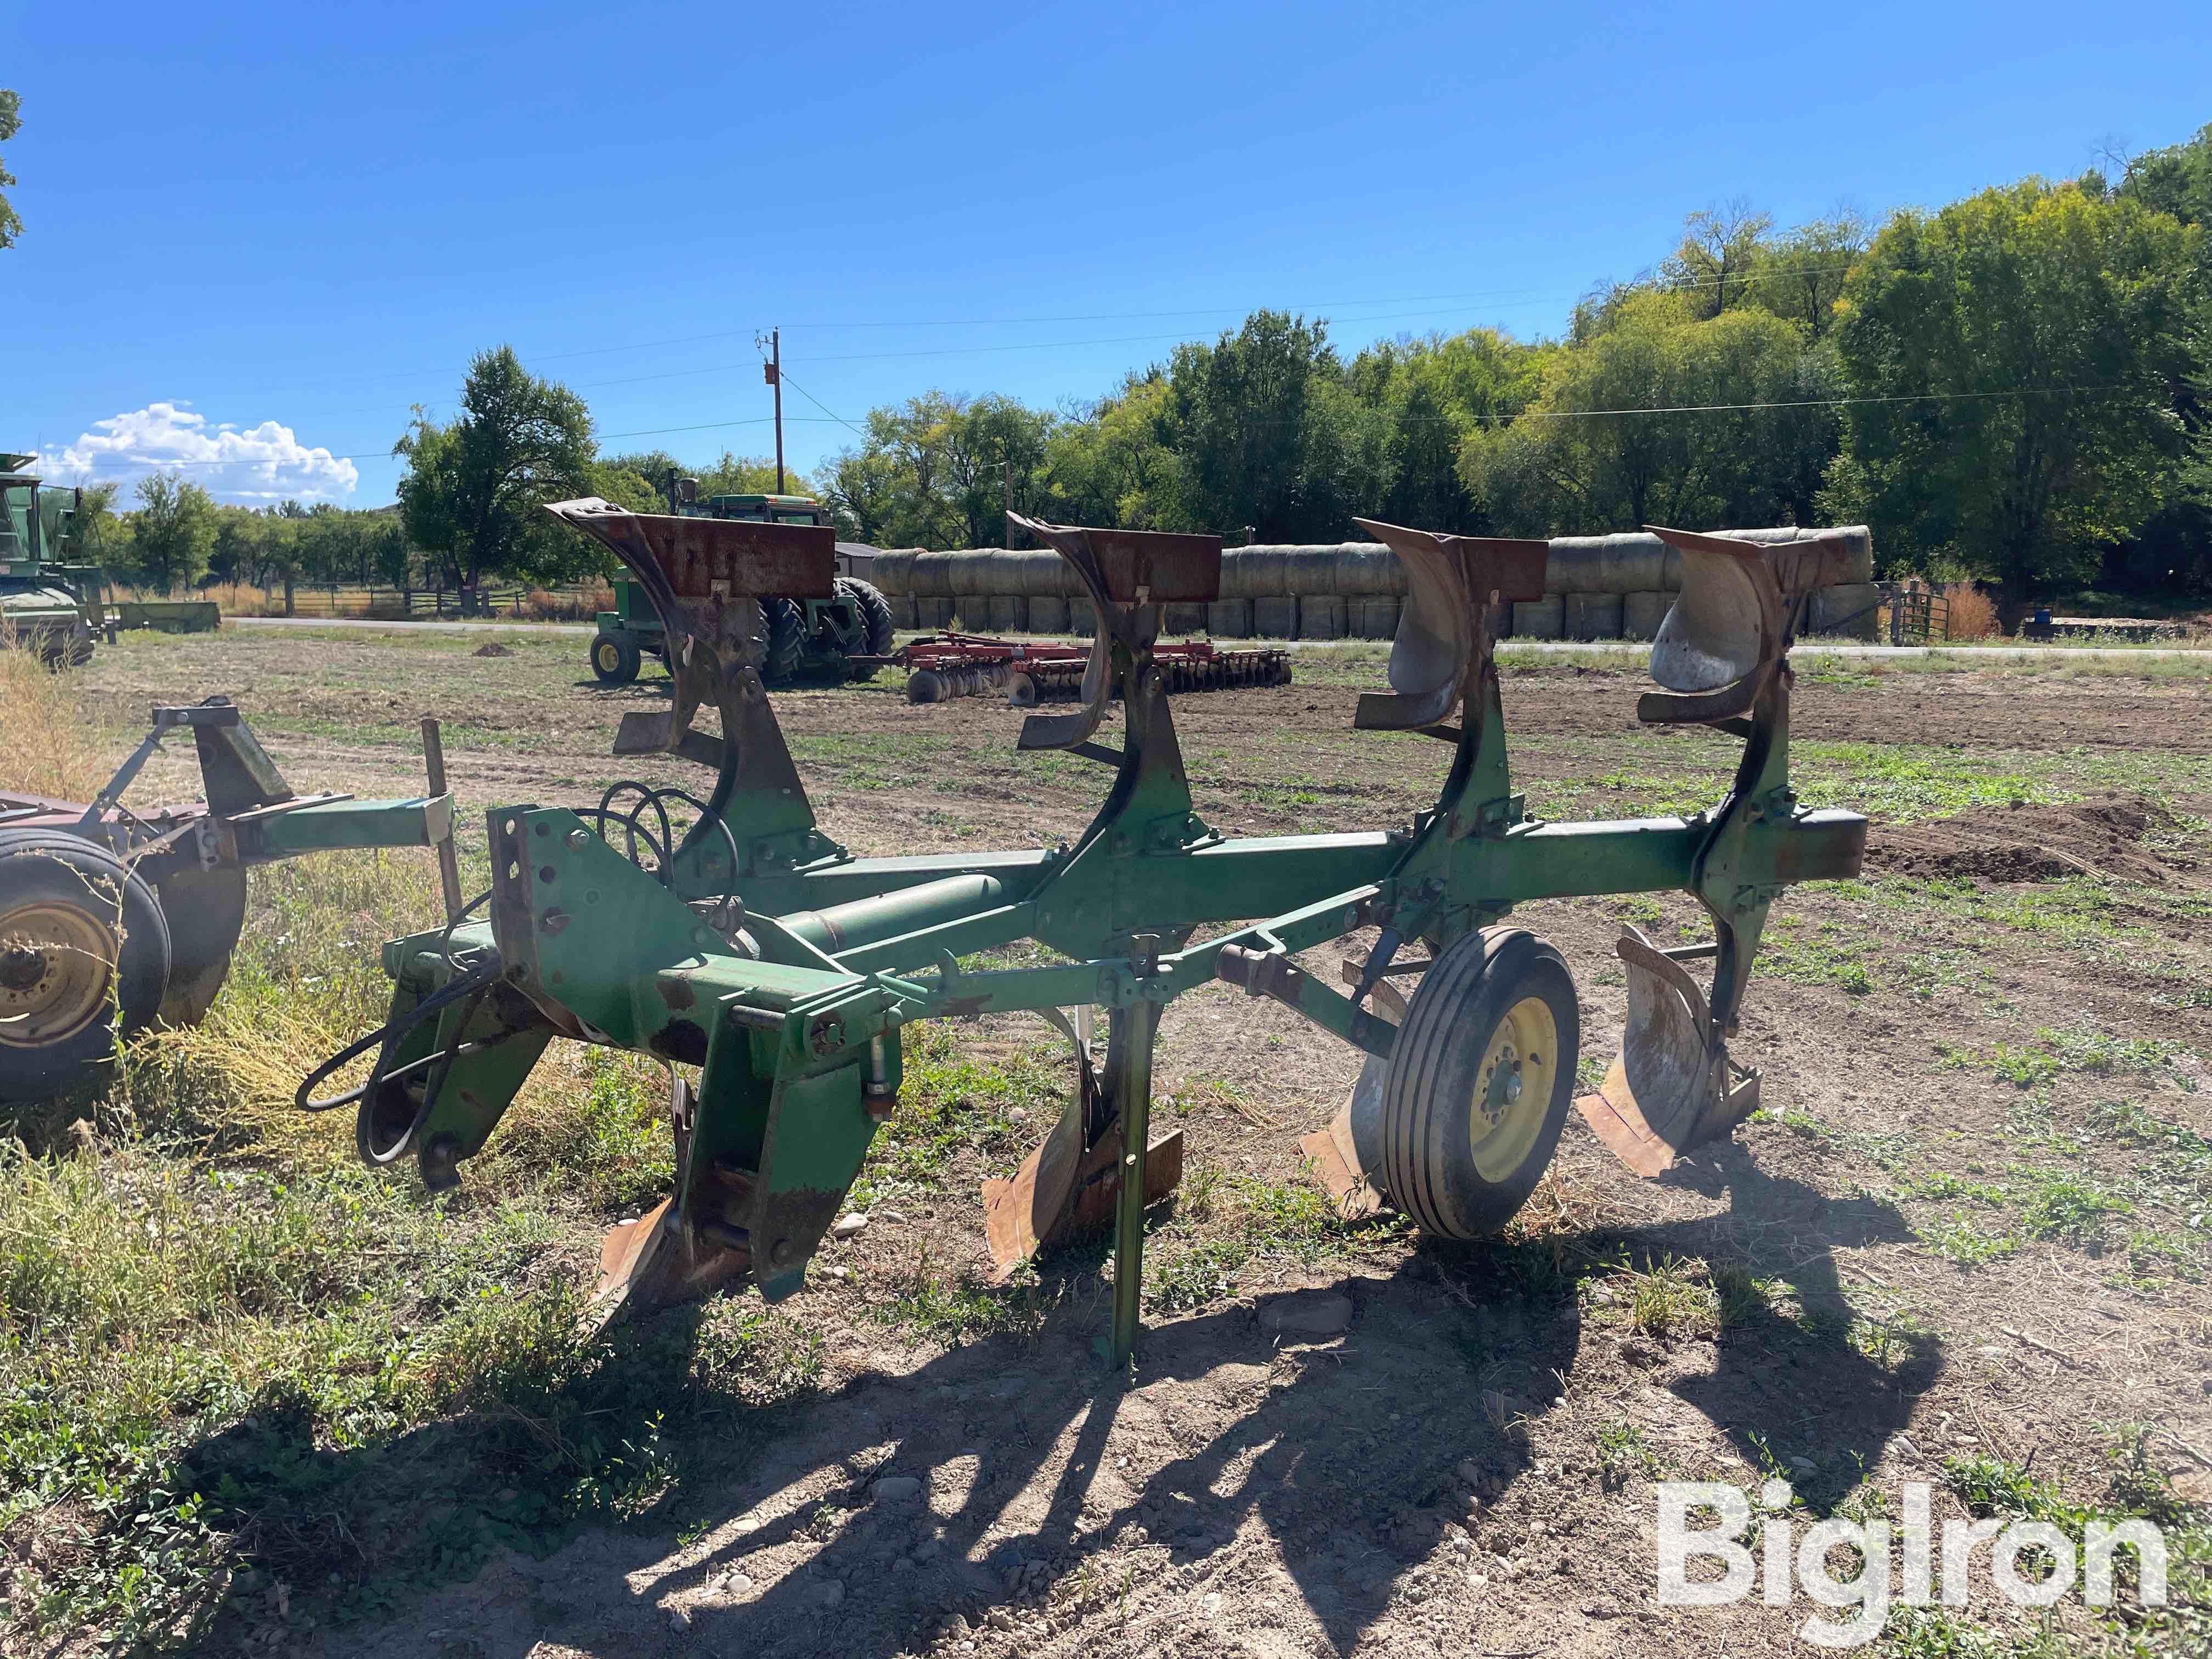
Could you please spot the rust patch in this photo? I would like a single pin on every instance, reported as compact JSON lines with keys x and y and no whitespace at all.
{"x":677,"y":992}
{"x":680,"y":1041}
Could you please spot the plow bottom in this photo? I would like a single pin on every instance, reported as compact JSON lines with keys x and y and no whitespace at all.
{"x":1671,"y":1087}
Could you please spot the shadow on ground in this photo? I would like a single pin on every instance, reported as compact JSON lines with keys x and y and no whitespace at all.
{"x":1340,"y":1464}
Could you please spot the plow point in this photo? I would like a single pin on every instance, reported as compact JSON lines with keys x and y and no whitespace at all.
{"x":1060,"y":1193}
{"x":1334,"y":1152}
{"x":1670,"y":1088}
{"x":652,"y":1263}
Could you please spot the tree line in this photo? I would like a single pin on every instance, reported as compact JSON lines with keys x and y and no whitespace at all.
{"x":2012,"y":387}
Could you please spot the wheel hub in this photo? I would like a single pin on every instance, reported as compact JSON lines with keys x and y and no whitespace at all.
{"x":1514,"y":1087}
{"x":56,"y":963}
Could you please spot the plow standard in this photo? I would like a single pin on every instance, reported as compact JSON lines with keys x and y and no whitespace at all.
{"x":754,"y":953}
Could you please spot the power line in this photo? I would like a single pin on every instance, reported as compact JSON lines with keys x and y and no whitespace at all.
{"x":819,"y":404}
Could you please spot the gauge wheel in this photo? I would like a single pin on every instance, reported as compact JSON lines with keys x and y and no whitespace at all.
{"x":1479,"y":1081}
{"x":615,"y":658}
{"x":83,"y":949}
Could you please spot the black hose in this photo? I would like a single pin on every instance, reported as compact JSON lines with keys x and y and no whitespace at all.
{"x":665,"y":849}
{"x":471,"y":979}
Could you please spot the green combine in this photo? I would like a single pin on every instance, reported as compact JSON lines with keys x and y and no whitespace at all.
{"x":846,"y":635}
{"x":47,"y":605}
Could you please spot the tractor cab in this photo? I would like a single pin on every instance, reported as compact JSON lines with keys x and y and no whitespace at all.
{"x":759,"y":509}
{"x":47,"y":603}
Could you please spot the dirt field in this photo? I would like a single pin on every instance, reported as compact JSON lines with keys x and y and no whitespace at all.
{"x":1968,"y":1232}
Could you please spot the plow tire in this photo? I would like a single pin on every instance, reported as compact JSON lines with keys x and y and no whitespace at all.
{"x":1478,"y":1083}
{"x":786,"y":640}
{"x":65,"y":891}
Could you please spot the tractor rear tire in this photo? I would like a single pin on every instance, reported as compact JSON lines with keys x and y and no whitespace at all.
{"x":615,"y":658}
{"x":875,"y":614}
{"x":84,"y":949}
{"x":1477,"y":1084}
{"x":786,"y":640}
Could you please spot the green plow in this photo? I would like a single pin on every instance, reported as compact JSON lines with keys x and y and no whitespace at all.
{"x":775,"y":972}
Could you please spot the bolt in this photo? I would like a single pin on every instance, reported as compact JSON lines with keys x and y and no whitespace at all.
{"x":700,"y":936}
{"x":579,"y":839}
{"x":781,"y":1252}
{"x":554,"y":920}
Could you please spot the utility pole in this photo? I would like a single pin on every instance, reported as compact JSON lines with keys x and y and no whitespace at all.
{"x":1006,"y":476}
{"x":774,"y":367}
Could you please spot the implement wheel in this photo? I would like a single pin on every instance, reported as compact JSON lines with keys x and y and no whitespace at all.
{"x":83,"y":947}
{"x":1477,"y":1088}
{"x":615,"y":658}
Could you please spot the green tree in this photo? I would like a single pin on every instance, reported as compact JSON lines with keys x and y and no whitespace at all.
{"x":172,"y":532}
{"x":1738,"y":432}
{"x":1801,"y":275}
{"x":1721,"y":249}
{"x":2173,"y":549}
{"x":474,"y":486}
{"x":1432,"y":394}
{"x":11,"y":122}
{"x":1270,"y":434}
{"x":1116,"y":463}
{"x":751,"y":475}
{"x":95,"y":528}
{"x":2027,"y":341}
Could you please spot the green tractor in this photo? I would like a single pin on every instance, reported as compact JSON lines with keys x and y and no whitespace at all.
{"x":47,"y":603}
{"x":846,"y":636}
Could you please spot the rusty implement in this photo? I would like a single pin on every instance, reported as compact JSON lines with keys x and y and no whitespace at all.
{"x":1030,"y":672}
{"x":1674,"y":1086}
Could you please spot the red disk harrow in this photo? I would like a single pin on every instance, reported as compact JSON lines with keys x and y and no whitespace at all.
{"x":1030,"y":672}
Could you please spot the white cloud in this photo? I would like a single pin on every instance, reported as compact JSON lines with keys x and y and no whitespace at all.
{"x":263,"y":463}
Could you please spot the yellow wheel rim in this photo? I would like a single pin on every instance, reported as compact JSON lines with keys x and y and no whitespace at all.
{"x":610,"y":658}
{"x":1513,"y":1089}
{"x":56,"y":963}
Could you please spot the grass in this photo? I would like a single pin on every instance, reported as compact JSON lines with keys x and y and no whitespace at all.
{"x":1231,"y":1229}
{"x":247,"y":1384}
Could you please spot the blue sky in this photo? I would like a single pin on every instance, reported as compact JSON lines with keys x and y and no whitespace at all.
{"x":254,"y":236}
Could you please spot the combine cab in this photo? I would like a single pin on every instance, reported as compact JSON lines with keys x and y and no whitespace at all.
{"x":47,"y":605}
{"x":845,"y":636}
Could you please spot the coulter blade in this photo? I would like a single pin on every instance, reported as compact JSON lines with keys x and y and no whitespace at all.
{"x":1671,"y":1088}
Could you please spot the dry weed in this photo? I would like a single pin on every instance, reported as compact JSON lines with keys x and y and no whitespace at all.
{"x":1970,"y":614}
{"x":48,"y":744}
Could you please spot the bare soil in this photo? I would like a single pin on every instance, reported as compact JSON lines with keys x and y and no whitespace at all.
{"x":1467,"y":1467}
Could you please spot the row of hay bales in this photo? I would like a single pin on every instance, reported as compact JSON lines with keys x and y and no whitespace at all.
{"x":1598,"y":588}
